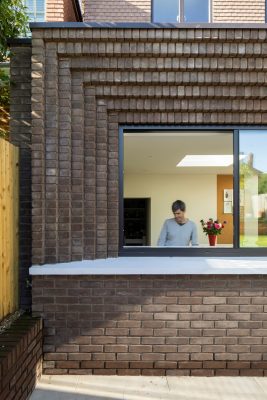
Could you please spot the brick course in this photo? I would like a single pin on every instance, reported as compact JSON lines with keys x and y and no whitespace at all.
{"x":173,"y":325}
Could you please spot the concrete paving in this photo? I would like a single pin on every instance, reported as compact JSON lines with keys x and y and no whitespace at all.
{"x":148,"y":388}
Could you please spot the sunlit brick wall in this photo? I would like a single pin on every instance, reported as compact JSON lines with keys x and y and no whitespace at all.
{"x":118,"y":10}
{"x":238,"y":11}
{"x":60,"y":10}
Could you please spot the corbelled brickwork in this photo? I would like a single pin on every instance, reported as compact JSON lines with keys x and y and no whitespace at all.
{"x":20,"y":358}
{"x":117,"y":10}
{"x":86,"y":82}
{"x":153,"y":325}
{"x":141,"y":11}
{"x":238,"y":11}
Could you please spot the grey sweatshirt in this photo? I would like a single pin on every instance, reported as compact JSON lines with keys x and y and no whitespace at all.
{"x":173,"y":234}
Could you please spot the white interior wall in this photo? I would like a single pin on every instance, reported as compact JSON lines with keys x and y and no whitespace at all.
{"x":199,"y":192}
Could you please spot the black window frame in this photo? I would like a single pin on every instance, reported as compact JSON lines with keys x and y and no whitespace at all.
{"x":181,"y":13}
{"x":235,"y":251}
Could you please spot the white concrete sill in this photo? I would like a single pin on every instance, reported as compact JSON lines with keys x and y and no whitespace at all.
{"x":157,"y":266}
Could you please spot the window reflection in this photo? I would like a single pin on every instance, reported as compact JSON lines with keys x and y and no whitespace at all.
{"x":253,"y":188}
{"x":196,"y":10}
{"x":35,"y":10}
{"x":174,"y":11}
{"x":166,"y":11}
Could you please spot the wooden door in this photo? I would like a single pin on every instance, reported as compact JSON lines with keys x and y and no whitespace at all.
{"x":224,"y":182}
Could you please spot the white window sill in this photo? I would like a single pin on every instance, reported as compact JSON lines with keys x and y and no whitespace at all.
{"x":157,"y":266}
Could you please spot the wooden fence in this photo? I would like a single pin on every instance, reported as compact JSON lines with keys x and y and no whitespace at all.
{"x":9,"y":227}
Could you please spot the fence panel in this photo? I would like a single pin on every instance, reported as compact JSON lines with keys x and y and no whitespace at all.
{"x":9,"y":227}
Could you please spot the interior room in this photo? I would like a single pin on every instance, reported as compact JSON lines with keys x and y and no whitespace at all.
{"x":163,"y":166}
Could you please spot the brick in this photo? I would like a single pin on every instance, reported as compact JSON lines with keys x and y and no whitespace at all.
{"x":165,"y":316}
{"x":202,"y":372}
{"x":214,"y":364}
{"x":165,"y":364}
{"x":67,"y":364}
{"x":154,"y":356}
{"x":92,"y":364}
{"x":117,"y":364}
{"x":129,"y":372}
{"x":214,"y":300}
{"x":177,"y":357}
{"x":140,"y":349}
{"x":201,"y":356}
{"x":225,"y":357}
{"x":141,"y":364}
{"x":116,"y":348}
{"x":130,"y":356}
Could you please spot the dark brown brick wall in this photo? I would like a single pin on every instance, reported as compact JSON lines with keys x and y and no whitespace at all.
{"x":153,"y":325}
{"x":20,"y":358}
{"x":91,"y":80}
{"x":20,"y":135}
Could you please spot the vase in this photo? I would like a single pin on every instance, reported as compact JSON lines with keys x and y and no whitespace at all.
{"x":212,"y":240}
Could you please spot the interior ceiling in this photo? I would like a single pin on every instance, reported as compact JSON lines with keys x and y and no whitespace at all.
{"x":159,"y":152}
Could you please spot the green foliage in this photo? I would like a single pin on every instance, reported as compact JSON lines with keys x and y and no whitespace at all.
{"x":13,"y":23}
{"x":263,"y":184}
{"x":4,"y":102}
{"x":4,"y":88}
{"x":4,"y":134}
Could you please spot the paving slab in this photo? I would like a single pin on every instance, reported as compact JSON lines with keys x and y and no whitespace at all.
{"x":84,"y":387}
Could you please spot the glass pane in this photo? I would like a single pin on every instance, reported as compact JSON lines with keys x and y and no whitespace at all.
{"x":40,"y":6}
{"x":29,"y":4}
{"x":166,"y":11}
{"x":196,"y":10}
{"x":36,"y":10}
{"x":162,"y":167}
{"x":253,"y":188}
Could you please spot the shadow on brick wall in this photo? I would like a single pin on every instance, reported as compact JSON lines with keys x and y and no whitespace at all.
{"x":153,"y":325}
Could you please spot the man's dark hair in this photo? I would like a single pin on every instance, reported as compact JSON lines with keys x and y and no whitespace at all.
{"x":178,"y":205}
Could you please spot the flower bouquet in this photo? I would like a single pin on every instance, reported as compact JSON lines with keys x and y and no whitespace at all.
{"x":212,"y":229}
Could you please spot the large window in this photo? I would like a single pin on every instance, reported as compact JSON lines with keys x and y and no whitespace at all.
{"x":219,"y":174}
{"x":253,"y":188}
{"x":174,"y":11}
{"x":36,"y":10}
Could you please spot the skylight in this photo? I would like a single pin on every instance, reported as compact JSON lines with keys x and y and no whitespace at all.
{"x":206,"y":160}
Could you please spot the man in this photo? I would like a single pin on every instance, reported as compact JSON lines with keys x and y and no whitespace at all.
{"x":178,"y":231}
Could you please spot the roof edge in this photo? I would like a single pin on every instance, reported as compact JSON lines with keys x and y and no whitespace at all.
{"x":144,"y":25}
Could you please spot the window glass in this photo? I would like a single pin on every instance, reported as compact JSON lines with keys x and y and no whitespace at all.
{"x":166,"y":11}
{"x":36,"y":10}
{"x":253,"y":188}
{"x":196,"y":10}
{"x":161,"y":167}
